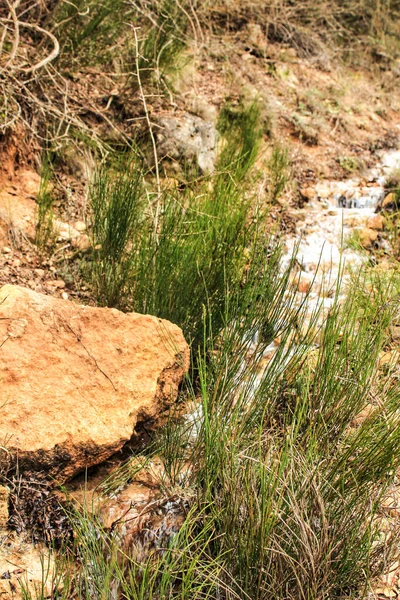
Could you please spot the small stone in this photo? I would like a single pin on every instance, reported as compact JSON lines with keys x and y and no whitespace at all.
{"x":366,"y":412}
{"x":389,"y":357}
{"x":80,"y":226}
{"x":304,"y":283}
{"x":81,"y":243}
{"x":40,"y":272}
{"x":64,"y":296}
{"x":324,"y":192}
{"x":64,"y":231}
{"x":303,"y":287}
{"x":376,"y":222}
{"x":6,"y":250}
{"x":395,"y":333}
{"x":354,"y":220}
{"x":58,"y":284}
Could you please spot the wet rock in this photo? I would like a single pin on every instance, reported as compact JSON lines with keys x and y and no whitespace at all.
{"x":307,"y":193}
{"x":368,"y":237}
{"x":324,"y":192}
{"x":76,"y":380}
{"x":143,"y":518}
{"x":354,"y":219}
{"x":376,"y":222}
{"x":188,"y":139}
{"x":390,"y":203}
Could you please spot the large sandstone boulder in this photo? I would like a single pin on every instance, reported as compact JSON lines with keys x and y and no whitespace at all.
{"x":76,"y":380}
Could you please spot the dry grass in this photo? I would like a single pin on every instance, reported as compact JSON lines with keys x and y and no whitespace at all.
{"x":311,"y":27}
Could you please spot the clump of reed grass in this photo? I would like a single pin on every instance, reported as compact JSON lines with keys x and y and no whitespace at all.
{"x":117,"y":201}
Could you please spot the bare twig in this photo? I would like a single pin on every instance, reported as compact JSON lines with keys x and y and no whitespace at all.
{"x":14,"y":49}
{"x":53,"y":54}
{"x":156,"y":213}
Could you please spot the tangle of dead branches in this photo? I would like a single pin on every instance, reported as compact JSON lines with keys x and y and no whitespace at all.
{"x":33,"y":91}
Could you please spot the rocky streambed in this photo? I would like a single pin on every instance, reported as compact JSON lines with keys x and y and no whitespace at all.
{"x":339,"y":216}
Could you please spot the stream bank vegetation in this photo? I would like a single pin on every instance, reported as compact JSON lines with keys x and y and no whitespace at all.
{"x":279,"y":481}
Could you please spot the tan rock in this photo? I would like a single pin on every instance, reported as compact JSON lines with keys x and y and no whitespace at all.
{"x":376,"y":222}
{"x":390,"y":357}
{"x":324,"y":192}
{"x":353,"y":220}
{"x":307,"y":193}
{"x":364,"y":414}
{"x":368,"y":237}
{"x":18,"y":213}
{"x":304,"y":283}
{"x":30,"y":183}
{"x":64,"y":231}
{"x":55,"y":284}
{"x":395,"y":333}
{"x":80,"y":226}
{"x":76,"y":380}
